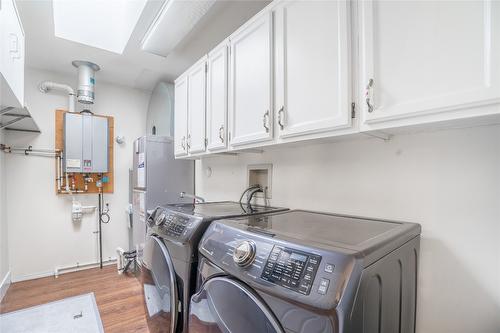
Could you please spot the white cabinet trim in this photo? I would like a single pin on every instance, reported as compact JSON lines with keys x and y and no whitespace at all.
{"x":265,"y":18}
{"x":343,"y":119}
{"x":180,"y":147}
{"x":216,"y":54}
{"x":489,"y":94}
{"x":200,"y":66}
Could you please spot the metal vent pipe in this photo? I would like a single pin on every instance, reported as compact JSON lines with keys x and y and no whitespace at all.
{"x":86,"y":81}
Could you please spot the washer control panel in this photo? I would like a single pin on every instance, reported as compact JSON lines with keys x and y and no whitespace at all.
{"x":170,"y":224}
{"x":292,"y":269}
{"x":174,"y":225}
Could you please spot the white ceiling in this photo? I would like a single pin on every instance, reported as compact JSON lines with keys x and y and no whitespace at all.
{"x":134,"y":68}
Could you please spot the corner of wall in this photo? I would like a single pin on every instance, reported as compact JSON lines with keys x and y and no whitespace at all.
{"x":4,"y":249}
{"x":4,"y":285}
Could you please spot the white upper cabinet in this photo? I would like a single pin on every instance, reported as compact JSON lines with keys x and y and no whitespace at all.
{"x":196,"y":107}
{"x":217,"y":98}
{"x":11,"y":56}
{"x":250,"y":85}
{"x":312,"y":67}
{"x":421,"y":58}
{"x":181,"y":116}
{"x":293,"y":71}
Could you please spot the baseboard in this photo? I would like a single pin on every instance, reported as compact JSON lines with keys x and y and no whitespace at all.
{"x":4,"y":285}
{"x":61,"y":270}
{"x":32,"y":276}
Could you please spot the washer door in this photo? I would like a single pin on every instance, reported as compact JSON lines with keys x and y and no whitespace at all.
{"x":227,"y":306}
{"x":159,"y":287}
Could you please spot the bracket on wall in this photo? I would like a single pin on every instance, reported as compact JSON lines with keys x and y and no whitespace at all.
{"x":252,"y":151}
{"x":379,"y":135}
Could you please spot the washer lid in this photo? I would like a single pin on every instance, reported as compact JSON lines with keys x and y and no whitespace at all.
{"x":344,"y":231}
{"x":223,"y":209}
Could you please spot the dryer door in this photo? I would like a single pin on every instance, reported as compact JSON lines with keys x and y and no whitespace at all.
{"x":159,"y":287}
{"x":228,"y":306}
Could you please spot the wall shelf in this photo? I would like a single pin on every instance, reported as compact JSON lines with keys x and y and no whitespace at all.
{"x":17,"y":119}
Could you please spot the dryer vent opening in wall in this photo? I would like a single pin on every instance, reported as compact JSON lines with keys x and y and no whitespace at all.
{"x":261,"y":174}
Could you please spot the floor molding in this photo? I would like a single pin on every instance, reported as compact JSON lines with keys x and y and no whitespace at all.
{"x":4,"y":285}
{"x":61,"y":270}
{"x":31,"y":276}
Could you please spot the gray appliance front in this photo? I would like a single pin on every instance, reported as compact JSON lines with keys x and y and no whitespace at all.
{"x":139,"y":221}
{"x":159,"y":287}
{"x":308,"y":289}
{"x":226,"y":305}
{"x":158,"y":178}
{"x":157,"y":172}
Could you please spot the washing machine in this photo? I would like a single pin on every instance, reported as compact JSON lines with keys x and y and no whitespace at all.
{"x":169,"y":261}
{"x":306,"y":272}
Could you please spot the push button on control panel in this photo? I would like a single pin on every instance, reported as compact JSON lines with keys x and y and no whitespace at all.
{"x":323,"y":286}
{"x":291,"y":269}
{"x":174,"y":226}
{"x":329,"y":268}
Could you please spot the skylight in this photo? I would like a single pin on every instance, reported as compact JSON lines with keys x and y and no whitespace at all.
{"x":105,"y":24}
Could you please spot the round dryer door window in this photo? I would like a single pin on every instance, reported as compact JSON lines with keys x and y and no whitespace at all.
{"x":159,"y":287}
{"x":227,"y":306}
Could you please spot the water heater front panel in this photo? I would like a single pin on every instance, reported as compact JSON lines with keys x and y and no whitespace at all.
{"x":100,"y":142}
{"x":86,"y":140}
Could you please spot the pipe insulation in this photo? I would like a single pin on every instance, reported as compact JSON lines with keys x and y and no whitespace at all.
{"x":47,"y":86}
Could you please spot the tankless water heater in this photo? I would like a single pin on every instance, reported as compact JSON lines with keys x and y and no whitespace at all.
{"x":86,"y":140}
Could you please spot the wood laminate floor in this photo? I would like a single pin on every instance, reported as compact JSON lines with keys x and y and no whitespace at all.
{"x":118,"y":297}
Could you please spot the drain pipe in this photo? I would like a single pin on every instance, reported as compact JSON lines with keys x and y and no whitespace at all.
{"x":47,"y":86}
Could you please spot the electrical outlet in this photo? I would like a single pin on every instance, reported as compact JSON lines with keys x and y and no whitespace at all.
{"x":261,"y":174}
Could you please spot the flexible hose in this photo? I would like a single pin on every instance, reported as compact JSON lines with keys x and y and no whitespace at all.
{"x":248,"y":189}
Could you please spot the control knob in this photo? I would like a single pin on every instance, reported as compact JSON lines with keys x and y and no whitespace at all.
{"x":160,"y":219}
{"x":244,"y":253}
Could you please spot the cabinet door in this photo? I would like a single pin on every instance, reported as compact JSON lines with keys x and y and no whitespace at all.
{"x":217,"y":98}
{"x":12,"y":50}
{"x":312,"y":67}
{"x":428,"y":57}
{"x":196,"y":107}
{"x":251,"y":113}
{"x":181,"y":116}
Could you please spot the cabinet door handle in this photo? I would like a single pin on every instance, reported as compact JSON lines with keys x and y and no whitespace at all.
{"x":183,"y":143}
{"x":14,"y":47}
{"x":281,"y":118}
{"x":368,"y":95}
{"x":221,"y":133}
{"x":265,"y":121}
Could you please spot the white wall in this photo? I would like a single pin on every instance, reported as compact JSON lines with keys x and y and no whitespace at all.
{"x":41,"y":233}
{"x":4,"y":249}
{"x":448,"y":181}
{"x":161,"y":110}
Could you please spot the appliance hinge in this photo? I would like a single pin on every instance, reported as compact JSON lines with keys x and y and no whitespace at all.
{"x":353,"y":110}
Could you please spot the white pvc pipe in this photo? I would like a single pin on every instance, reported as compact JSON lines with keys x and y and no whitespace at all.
{"x":58,"y":171}
{"x":73,"y":268}
{"x":47,"y":86}
{"x":67,"y":183}
{"x":119,"y":259}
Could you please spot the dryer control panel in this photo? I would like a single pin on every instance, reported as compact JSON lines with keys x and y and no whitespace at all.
{"x":173,"y":225}
{"x":291,"y":269}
